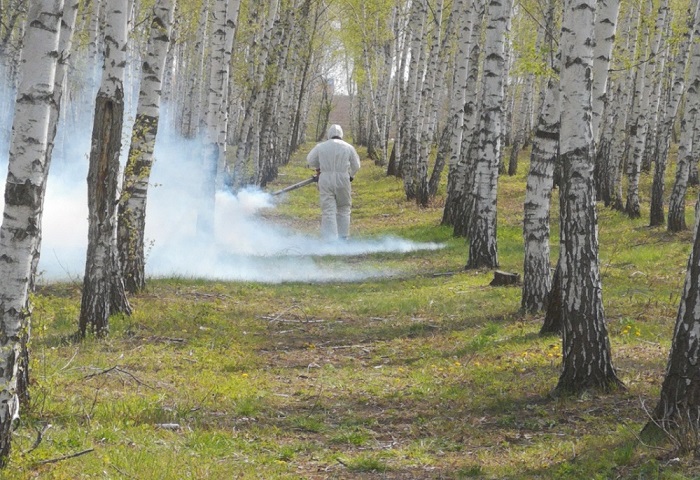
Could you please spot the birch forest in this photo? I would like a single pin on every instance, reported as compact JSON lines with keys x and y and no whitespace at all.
{"x":444,"y":95}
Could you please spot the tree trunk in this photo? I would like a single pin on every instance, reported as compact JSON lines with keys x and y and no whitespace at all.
{"x":657,"y":215}
{"x":483,"y":249}
{"x":605,"y":27}
{"x":538,"y":197}
{"x":103,"y":288}
{"x":414,"y":111}
{"x":20,"y":233}
{"x":218,"y":79}
{"x":678,"y":409}
{"x":457,"y":180}
{"x":587,"y":362}
{"x":132,"y":204}
{"x":686,"y":147}
{"x":431,"y":94}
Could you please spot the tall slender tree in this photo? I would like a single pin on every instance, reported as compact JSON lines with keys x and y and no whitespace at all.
{"x":132,"y":203}
{"x":665,"y":125}
{"x":678,"y":409}
{"x":483,"y":249}
{"x":24,"y":195}
{"x":537,"y":279}
{"x":103,"y":287}
{"x":686,"y":147}
{"x":587,"y":362}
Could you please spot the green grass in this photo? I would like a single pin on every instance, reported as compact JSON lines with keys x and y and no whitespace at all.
{"x":425,"y":374}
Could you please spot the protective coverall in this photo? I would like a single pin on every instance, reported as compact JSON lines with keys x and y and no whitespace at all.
{"x":338,"y":162}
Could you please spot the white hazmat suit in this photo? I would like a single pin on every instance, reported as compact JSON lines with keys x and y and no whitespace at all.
{"x":338,"y":162}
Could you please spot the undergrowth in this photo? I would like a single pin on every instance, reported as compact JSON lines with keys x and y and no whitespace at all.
{"x":426,"y":373}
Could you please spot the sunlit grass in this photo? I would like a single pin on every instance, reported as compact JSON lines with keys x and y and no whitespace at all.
{"x":426,"y":373}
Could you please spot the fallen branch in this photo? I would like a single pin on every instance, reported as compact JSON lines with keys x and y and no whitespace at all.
{"x":116,"y":368}
{"x":64,"y":457}
{"x":39,"y":437}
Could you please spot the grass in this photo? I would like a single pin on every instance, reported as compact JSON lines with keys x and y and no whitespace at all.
{"x":426,"y":374}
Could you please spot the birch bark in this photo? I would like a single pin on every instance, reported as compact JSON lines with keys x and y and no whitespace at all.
{"x":483,"y":248}
{"x":458,"y":180}
{"x":538,"y":194}
{"x":432,"y":89}
{"x":132,"y":204}
{"x":686,"y":148}
{"x":678,"y":409}
{"x":587,"y":362}
{"x":657,"y":215}
{"x":103,"y":288}
{"x":641,"y":125}
{"x":24,"y":195}
{"x":605,"y":28}
{"x":452,"y":131}
{"x":210,"y":152}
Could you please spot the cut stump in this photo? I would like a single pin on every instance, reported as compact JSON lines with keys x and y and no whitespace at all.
{"x":501,"y":279}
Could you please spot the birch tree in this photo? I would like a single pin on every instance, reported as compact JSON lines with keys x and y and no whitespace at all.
{"x":24,"y":195}
{"x":103,"y":288}
{"x":12,"y":14}
{"x":412,"y":104}
{"x":451,"y":136}
{"x":605,"y":28}
{"x":640,"y":123}
{"x":218,"y":81}
{"x":132,"y":203}
{"x":678,"y":409}
{"x":686,"y":147}
{"x":458,"y":180}
{"x":657,"y":215}
{"x":68,"y":19}
{"x":538,"y":193}
{"x":587,"y":362}
{"x":613,"y":142}
{"x":483,"y":249}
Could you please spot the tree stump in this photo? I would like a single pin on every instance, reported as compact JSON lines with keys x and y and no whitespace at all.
{"x":501,"y":279}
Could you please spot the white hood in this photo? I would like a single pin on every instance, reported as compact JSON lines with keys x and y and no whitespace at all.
{"x":335,"y":131}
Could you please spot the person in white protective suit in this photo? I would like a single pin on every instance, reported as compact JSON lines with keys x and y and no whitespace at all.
{"x":336,"y":163}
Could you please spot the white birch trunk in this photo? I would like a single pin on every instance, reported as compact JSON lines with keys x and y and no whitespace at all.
{"x":613,"y":163}
{"x":65,"y":45}
{"x":657,"y":215}
{"x":537,"y":278}
{"x":640,"y":127}
{"x":457,"y":180}
{"x":24,"y":195}
{"x":96,"y":40}
{"x":103,"y":289}
{"x":429,"y":98}
{"x":193,"y":102}
{"x":659,"y":78}
{"x":687,"y":150}
{"x":409,"y":155}
{"x":605,"y":28}
{"x":483,"y":248}
{"x":132,"y":204}
{"x":587,"y":362}
{"x":218,"y":80}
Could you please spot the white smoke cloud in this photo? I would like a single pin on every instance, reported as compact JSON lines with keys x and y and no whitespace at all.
{"x":246,"y":247}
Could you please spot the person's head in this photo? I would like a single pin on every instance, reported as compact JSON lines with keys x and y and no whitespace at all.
{"x":335,"y":132}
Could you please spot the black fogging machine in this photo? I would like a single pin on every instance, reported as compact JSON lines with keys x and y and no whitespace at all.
{"x":303,"y":183}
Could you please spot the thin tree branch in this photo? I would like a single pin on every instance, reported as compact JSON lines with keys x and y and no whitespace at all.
{"x":64,"y":457}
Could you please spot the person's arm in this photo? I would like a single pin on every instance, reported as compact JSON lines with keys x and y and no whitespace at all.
{"x":312,"y":159}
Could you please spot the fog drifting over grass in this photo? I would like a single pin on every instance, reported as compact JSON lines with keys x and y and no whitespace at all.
{"x":246,"y":247}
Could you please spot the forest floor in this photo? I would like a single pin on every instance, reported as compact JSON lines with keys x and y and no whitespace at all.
{"x":421,"y":372}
